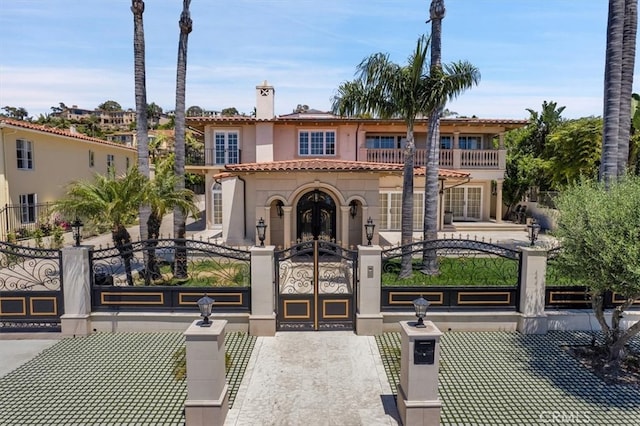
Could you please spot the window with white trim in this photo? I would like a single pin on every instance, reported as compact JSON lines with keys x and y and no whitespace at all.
{"x":111,"y":162}
{"x":91,"y":158}
{"x":391,"y":211}
{"x":446,"y":142}
{"x":226,"y":146}
{"x":24,"y":154}
{"x":381,"y":142}
{"x":317,"y":142}
{"x":216,"y":204}
{"x":470,"y":142}
{"x":28,"y":208}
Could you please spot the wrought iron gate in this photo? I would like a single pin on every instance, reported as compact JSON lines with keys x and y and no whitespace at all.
{"x":316,"y":286}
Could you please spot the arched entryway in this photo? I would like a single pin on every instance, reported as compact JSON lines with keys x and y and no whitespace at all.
{"x":316,"y":217}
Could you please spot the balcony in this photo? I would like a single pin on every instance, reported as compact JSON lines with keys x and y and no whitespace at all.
{"x":207,"y":157}
{"x":491,"y":159}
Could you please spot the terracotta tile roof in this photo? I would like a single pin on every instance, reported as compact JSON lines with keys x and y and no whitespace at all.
{"x":321,"y":164}
{"x":59,"y":132}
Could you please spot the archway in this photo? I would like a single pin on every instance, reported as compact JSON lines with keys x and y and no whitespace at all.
{"x":316,"y":217}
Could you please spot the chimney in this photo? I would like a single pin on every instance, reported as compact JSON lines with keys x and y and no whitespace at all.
{"x":265,"y":95}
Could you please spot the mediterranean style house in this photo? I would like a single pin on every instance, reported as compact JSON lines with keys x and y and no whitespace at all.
{"x":317,"y":175}
{"x":38,"y":162}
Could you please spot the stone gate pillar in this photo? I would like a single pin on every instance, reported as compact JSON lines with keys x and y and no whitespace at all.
{"x":533,"y":320}
{"x":262,"y":320}
{"x":369,"y":319}
{"x":76,"y":281}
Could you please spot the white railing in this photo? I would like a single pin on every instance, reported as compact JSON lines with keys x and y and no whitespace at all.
{"x":452,"y":158}
{"x":479,"y":159}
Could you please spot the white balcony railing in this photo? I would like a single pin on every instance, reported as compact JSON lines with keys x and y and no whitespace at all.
{"x":452,"y":158}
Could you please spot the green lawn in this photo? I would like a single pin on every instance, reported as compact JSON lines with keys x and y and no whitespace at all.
{"x":206,"y":273}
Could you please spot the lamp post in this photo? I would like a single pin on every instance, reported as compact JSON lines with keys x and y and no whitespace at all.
{"x":534,"y":229}
{"x":76,"y":226}
{"x":205,"y":304}
{"x":369,"y":227}
{"x":420,"y":305}
{"x":261,"y":227}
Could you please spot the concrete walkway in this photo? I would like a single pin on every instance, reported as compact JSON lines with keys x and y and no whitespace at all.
{"x":314,"y":379}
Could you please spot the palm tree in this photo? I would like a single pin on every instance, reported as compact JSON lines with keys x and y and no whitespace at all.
{"x":630,"y":29}
{"x":142,"y":135}
{"x":179,"y":221}
{"x":163,"y":197}
{"x":108,"y":200}
{"x":612,"y":90}
{"x":385,"y":89}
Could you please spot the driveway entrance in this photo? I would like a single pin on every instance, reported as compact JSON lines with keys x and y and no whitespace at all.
{"x":315,"y":282}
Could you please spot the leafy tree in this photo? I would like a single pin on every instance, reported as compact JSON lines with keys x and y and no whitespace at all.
{"x":17,"y":113}
{"x":194,"y":111}
{"x":599,"y":232}
{"x":230,"y":112}
{"x":108,"y":200}
{"x":542,"y":124}
{"x":301,"y":108}
{"x":179,"y":218}
{"x":154,"y":112}
{"x":113,"y":105}
{"x":386,"y":89}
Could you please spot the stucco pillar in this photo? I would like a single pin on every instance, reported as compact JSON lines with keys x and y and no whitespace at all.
{"x":533,"y":320}
{"x":262,"y":321}
{"x":456,"y":151}
{"x":76,"y":276}
{"x":207,"y":400}
{"x":343,"y":238}
{"x":368,"y":316}
{"x":287,"y":225}
{"x":499,"y":201}
{"x":418,"y":401}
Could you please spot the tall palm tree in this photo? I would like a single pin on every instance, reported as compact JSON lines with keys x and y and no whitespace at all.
{"x":388,"y":90}
{"x":612,"y":90}
{"x":142,"y":135}
{"x":179,"y":220}
{"x":630,"y":29}
{"x":108,"y":200}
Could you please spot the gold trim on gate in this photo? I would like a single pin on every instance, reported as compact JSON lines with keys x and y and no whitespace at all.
{"x":616,"y":298}
{"x":440,"y":295}
{"x":346,"y":309}
{"x":316,"y":273}
{"x":55,"y":306}
{"x":306,"y":302}
{"x":483,"y":302}
{"x":577,"y":293}
{"x":213,"y":296}
{"x":105,"y":302}
{"x":24,"y":306}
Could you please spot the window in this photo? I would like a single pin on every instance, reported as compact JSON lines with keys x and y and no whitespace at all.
{"x":470,"y":142}
{"x":28,"y":208}
{"x":216,"y":202}
{"x":381,"y":142}
{"x":322,"y":142}
{"x":127,"y":162}
{"x":24,"y":153}
{"x":91,"y":159}
{"x":226,"y":147}
{"x":445,"y":142}
{"x":110,"y":161}
{"x":391,"y":210}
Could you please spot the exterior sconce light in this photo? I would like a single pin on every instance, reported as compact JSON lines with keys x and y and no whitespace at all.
{"x":369,"y":227}
{"x":261,"y":227}
{"x":534,"y":229}
{"x":279,"y":210}
{"x":420,"y":305}
{"x":205,"y":305}
{"x":76,"y":226}
{"x":353,"y":208}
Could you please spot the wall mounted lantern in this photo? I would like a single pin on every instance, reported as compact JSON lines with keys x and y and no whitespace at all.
{"x":279,"y":209}
{"x":420,"y":305}
{"x":369,"y":227}
{"x":261,"y":227}
{"x":205,"y":305}
{"x":76,"y":226}
{"x":353,"y":208}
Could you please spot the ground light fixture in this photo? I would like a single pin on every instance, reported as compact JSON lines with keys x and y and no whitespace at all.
{"x":534,"y":229}
{"x":76,"y":227}
{"x":368,"y":228}
{"x":420,"y":305}
{"x":261,"y":227}
{"x":205,"y":304}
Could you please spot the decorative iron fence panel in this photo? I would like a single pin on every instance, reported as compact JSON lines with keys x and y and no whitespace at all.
{"x":31,"y":296}
{"x":170,"y":274}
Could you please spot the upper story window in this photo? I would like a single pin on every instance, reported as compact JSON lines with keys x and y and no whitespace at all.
{"x":24,"y":154}
{"x":470,"y":142}
{"x":226,"y":147}
{"x":92,"y":159}
{"x":317,"y":142}
{"x":381,"y":142}
{"x":111,"y":162}
{"x":446,"y":142}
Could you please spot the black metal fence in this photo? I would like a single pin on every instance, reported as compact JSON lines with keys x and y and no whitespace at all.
{"x":470,"y":275}
{"x":22,"y":222}
{"x":170,"y":274}
{"x":31,"y":296}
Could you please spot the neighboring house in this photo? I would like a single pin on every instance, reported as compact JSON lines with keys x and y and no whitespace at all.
{"x":106,"y":119}
{"x":37,"y":163}
{"x":315,"y":175}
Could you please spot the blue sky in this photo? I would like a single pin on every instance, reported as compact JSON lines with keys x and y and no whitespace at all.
{"x":80,"y":52}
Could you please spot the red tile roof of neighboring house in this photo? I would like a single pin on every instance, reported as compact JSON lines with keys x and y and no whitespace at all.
{"x":321,"y":164}
{"x":59,"y":132}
